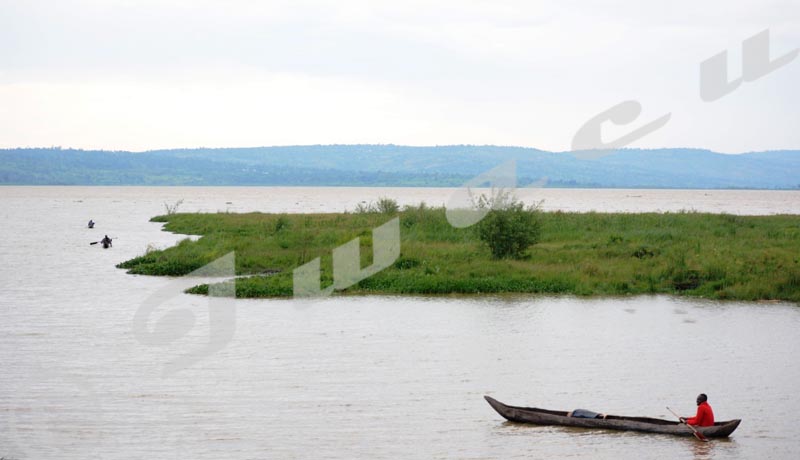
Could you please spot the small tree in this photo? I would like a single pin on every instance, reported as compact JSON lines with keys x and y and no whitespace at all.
{"x":387,"y":206}
{"x":510,"y":230}
{"x":383,"y":206}
{"x":173,"y":209}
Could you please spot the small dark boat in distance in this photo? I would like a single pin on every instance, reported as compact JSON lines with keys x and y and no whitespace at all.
{"x":611,"y":422}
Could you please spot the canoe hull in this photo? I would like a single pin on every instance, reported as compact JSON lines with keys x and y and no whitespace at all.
{"x":612,"y":422}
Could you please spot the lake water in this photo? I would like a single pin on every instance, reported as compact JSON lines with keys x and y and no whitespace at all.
{"x":362,"y":377}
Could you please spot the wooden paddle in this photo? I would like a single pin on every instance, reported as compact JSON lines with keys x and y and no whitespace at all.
{"x":697,"y":434}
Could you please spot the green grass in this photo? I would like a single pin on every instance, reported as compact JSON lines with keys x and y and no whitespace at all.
{"x":708,"y":255}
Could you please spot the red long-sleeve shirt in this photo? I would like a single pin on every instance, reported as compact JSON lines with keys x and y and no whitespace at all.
{"x":704,"y":417}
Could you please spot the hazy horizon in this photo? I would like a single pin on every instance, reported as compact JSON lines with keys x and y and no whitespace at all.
{"x":246,"y":147}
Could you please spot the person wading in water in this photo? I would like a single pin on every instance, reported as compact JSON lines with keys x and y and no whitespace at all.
{"x":106,"y":242}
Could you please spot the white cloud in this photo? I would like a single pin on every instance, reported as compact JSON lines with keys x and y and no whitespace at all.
{"x":151,"y":74}
{"x":211,"y":111}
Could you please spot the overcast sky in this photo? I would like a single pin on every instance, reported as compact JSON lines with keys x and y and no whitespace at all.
{"x":137,"y":75}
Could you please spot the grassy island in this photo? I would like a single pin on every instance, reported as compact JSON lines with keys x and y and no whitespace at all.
{"x":709,"y":255}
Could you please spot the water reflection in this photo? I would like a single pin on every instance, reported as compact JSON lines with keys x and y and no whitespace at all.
{"x":716,"y":448}
{"x":592,"y":443}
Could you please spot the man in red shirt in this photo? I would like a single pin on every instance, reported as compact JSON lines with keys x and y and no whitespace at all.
{"x":704,"y":416}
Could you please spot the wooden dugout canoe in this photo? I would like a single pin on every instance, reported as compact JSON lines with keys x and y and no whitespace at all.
{"x":611,"y":422}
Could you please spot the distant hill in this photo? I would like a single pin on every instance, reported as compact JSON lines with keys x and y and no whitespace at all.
{"x":394,"y":165}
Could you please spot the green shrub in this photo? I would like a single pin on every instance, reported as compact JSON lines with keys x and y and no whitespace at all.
{"x":510,"y":231}
{"x":281,"y":223}
{"x":364,"y":208}
{"x":387,"y":206}
{"x":404,"y":263}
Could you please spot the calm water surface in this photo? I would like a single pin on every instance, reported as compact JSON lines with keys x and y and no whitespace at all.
{"x":363,"y":377}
